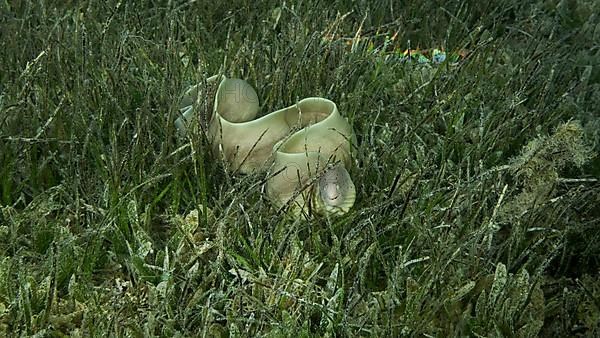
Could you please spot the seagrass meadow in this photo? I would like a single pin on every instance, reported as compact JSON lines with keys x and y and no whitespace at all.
{"x":477,"y":206}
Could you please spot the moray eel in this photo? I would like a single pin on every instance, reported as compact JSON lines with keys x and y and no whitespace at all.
{"x":304,"y":148}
